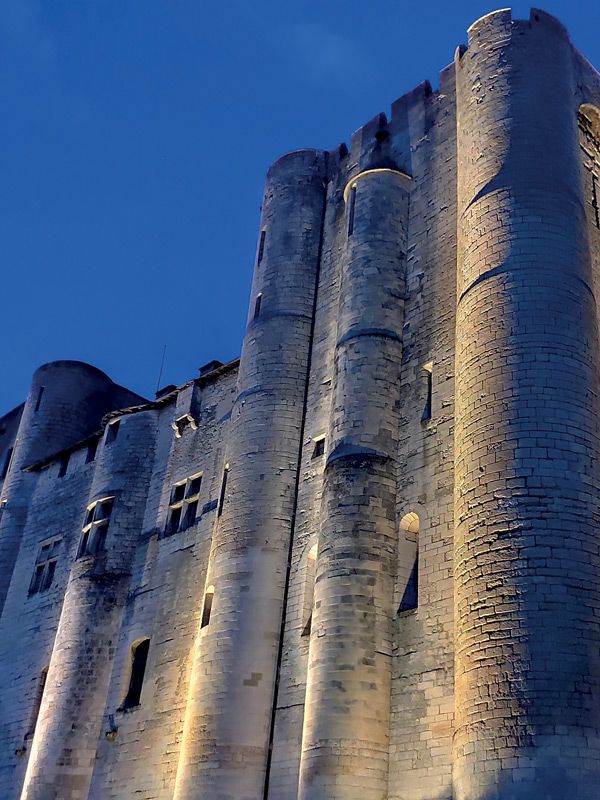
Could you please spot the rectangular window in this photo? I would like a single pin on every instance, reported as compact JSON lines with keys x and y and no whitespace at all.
{"x":428,"y":370}
{"x":63,"y":466}
{"x":319,"y":448}
{"x":257,"y":305}
{"x":95,"y":527}
{"x":7,"y":461}
{"x":261,"y":246}
{"x":183,"y":504}
{"x":91,"y":451}
{"x":351,"y":210}
{"x":112,"y":431}
{"x":223,"y":490}
{"x":38,"y":402}
{"x":45,"y":567}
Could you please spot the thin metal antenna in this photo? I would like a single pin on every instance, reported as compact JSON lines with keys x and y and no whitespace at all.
{"x":162,"y":364}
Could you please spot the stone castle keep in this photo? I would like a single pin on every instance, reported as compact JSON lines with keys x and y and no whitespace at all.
{"x":362,"y":562}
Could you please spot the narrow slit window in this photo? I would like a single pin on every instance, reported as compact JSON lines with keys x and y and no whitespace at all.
{"x":91,"y":451}
{"x":257,"y":305}
{"x":409,"y":562}
{"x":595,"y":200}
{"x":38,"y":402}
{"x":37,"y":703}
{"x":7,"y":461}
{"x":309,"y":590}
{"x":261,"y":246}
{"x":207,"y":607}
{"x":351,"y":210}
{"x":223,"y":490}
{"x":139,"y":659}
{"x":428,"y":373}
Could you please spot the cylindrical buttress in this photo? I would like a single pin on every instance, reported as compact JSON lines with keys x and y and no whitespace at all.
{"x":228,"y":717}
{"x":69,"y":723}
{"x":527,"y":455}
{"x":347,"y":711}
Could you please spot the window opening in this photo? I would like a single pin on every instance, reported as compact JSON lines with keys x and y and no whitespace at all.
{"x":38,"y":402}
{"x":95,"y":527}
{"x":428,"y":370}
{"x":309,"y":590}
{"x":257,"y":305}
{"x":63,"y":466}
{"x":183,"y":504}
{"x":91,"y":451}
{"x":37,"y":703}
{"x":207,"y":607}
{"x":261,"y":246}
{"x":182,"y":422}
{"x":223,"y":488}
{"x":351,"y":210}
{"x":319,"y":448}
{"x":112,"y":431}
{"x":139,"y":658}
{"x":595,"y":200}
{"x":45,"y":567}
{"x":7,"y":461}
{"x":409,"y":524}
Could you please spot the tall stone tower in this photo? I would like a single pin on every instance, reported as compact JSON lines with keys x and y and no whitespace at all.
{"x":362,"y":561}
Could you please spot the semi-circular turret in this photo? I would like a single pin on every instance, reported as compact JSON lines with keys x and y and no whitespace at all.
{"x":527,"y":480}
{"x":66,"y":402}
{"x":345,"y":743}
{"x":229,"y":709}
{"x":73,"y":703}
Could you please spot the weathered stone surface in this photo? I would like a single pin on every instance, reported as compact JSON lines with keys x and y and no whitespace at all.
{"x":366,"y":553}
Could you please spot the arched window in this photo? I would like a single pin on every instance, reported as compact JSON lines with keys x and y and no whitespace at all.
{"x":207,"y":607}
{"x":408,"y":572}
{"x":309,"y":589}
{"x":139,"y":657}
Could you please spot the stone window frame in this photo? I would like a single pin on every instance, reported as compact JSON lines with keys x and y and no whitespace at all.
{"x":95,"y":526}
{"x":45,"y":566}
{"x":182,"y":422}
{"x":183,"y":504}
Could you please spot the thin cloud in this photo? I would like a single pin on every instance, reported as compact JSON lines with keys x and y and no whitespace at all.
{"x":324,"y":54}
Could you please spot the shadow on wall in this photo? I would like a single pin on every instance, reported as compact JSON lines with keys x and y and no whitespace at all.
{"x":551,"y":782}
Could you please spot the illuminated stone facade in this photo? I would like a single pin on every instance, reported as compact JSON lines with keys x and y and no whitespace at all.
{"x":362,"y":561}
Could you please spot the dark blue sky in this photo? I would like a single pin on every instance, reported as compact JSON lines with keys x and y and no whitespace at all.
{"x":135,"y":138}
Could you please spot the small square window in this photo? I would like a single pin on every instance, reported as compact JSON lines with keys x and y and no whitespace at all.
{"x":319,"y":448}
{"x":178,"y":492}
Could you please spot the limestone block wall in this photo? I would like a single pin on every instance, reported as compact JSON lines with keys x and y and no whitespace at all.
{"x":165,"y":604}
{"x":226,"y":740}
{"x":526,"y":437}
{"x":349,"y":587}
